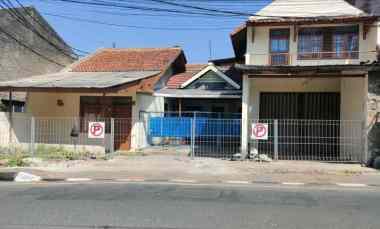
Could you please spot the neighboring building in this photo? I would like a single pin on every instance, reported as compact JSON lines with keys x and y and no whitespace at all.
{"x":111,"y":83}
{"x":18,"y":62}
{"x":308,"y":62}
{"x":369,"y":6}
{"x":212,"y":90}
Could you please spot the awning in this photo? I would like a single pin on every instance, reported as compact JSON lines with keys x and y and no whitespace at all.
{"x":199,"y":94}
{"x":77,"y":80}
{"x":297,"y":71}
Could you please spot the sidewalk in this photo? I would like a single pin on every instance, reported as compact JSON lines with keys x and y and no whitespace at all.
{"x":182,"y":168}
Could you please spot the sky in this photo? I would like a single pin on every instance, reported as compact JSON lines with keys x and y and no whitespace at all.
{"x":193,"y":33}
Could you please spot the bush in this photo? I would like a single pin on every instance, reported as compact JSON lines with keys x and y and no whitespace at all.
{"x":16,"y":160}
{"x":60,"y":153}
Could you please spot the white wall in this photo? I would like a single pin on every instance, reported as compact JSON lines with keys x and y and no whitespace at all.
{"x":258,"y":47}
{"x":147,"y":103}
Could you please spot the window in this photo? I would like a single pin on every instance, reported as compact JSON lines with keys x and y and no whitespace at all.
{"x":330,"y":42}
{"x":310,"y":44}
{"x":279,"y":46}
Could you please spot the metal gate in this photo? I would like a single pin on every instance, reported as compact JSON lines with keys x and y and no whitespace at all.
{"x":306,"y":126}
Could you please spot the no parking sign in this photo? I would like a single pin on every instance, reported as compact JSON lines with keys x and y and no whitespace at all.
{"x":96,"y":129}
{"x":259,"y":131}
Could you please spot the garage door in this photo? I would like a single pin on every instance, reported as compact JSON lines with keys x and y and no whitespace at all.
{"x":306,"y":128}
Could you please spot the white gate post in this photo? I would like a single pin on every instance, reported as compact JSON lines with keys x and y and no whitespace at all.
{"x":245,"y":117}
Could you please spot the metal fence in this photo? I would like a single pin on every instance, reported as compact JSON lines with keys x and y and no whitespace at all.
{"x":321,"y":140}
{"x":194,"y":136}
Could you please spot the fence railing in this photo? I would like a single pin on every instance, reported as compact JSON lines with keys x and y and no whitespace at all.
{"x":283,"y":139}
{"x":322,"y":140}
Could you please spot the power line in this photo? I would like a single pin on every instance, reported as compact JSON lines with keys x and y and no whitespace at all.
{"x":44,"y":27}
{"x":132,"y":26}
{"x":29,"y":48}
{"x":24,"y":22}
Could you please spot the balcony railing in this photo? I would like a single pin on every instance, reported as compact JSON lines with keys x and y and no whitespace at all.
{"x":312,"y":58}
{"x":279,"y":59}
{"x":328,"y":55}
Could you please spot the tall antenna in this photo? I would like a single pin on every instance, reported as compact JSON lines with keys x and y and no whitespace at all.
{"x":210,"y":49}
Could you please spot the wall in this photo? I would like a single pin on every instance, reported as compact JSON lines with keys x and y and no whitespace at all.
{"x":258,"y":48}
{"x":287,"y":85}
{"x":146,"y":103}
{"x":17,"y":61}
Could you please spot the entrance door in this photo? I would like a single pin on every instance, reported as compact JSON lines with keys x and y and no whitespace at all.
{"x":307,"y":124}
{"x":103,"y":108}
{"x":122,"y":112}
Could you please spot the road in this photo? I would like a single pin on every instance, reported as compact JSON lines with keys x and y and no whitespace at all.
{"x":153,"y":206}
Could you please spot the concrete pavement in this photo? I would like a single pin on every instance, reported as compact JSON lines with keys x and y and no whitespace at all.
{"x":151,"y":206}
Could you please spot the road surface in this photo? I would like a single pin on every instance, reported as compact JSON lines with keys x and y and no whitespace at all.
{"x":158,"y":206}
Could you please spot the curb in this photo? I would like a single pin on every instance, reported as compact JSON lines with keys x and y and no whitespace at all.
{"x":10,"y":177}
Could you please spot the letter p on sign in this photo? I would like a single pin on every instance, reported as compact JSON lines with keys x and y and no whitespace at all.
{"x":260,"y":131}
{"x":96,"y":129}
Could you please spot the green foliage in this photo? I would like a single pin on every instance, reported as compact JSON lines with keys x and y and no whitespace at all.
{"x":16,"y":160}
{"x":3,"y":108}
{"x":60,"y":153}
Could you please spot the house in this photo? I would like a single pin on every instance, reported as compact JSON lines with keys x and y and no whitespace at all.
{"x":308,"y":63}
{"x":17,"y":61}
{"x":211,"y":90}
{"x":110,"y":83}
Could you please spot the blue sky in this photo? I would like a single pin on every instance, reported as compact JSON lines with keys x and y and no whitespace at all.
{"x":89,"y":37}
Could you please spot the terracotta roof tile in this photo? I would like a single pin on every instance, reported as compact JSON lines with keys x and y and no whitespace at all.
{"x":115,"y":60}
{"x":177,"y":80}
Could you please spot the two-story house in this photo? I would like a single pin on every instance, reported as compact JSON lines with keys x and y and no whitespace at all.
{"x":307,"y":62}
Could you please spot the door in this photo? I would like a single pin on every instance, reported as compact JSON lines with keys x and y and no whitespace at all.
{"x":103,"y":108}
{"x":123,"y":125}
{"x":308,"y":127}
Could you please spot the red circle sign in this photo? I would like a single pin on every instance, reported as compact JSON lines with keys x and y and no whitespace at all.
{"x":96,"y":129}
{"x":259,"y":130}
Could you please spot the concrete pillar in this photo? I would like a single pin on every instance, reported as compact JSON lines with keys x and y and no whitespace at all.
{"x":245,"y":116}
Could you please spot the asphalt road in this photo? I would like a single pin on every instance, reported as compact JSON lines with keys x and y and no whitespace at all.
{"x":152,"y":206}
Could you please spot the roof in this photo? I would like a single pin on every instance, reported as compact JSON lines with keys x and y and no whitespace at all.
{"x":307,"y":9}
{"x":177,"y":80}
{"x":131,"y":59}
{"x":79,"y":80}
{"x":197,"y":93}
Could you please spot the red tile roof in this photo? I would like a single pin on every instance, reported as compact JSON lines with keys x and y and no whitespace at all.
{"x":177,"y":80}
{"x":117,"y":60}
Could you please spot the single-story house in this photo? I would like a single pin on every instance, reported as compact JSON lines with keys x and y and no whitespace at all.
{"x":210,"y":89}
{"x":111,"y":83}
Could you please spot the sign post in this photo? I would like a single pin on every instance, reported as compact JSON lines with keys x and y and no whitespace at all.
{"x":96,"y":129}
{"x":259,"y":131}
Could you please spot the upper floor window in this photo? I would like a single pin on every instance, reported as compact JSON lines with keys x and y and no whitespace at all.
{"x":279,"y":46}
{"x":329,"y":42}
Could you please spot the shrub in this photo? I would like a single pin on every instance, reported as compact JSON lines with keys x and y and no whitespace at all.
{"x":60,"y":153}
{"x":16,"y":160}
